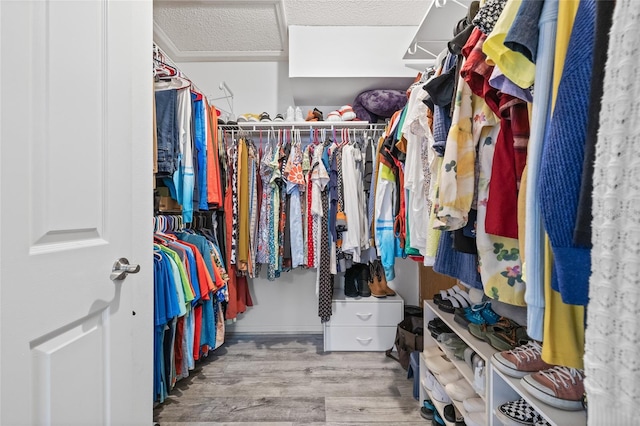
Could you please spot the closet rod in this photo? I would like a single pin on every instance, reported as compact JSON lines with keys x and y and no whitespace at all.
{"x":306,"y":126}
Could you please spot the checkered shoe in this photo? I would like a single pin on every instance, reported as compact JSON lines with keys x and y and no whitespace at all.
{"x":518,"y":413}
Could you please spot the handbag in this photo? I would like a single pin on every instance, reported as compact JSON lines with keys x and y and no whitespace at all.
{"x":409,"y":338}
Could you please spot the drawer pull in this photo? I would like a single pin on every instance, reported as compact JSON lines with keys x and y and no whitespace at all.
{"x":364,"y":316}
{"x":365,"y":341}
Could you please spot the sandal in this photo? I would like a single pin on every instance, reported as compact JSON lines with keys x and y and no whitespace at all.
{"x":452,"y":301}
{"x":506,"y":339}
{"x":438,"y":296}
{"x":481,"y":331}
{"x":437,"y":327}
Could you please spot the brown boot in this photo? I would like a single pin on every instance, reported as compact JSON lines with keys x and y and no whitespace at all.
{"x":383,"y":280}
{"x":374,"y":282}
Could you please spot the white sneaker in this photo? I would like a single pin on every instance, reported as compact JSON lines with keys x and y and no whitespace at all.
{"x":290,"y":117}
{"x":460,"y":390}
{"x":334,"y":116}
{"x":439,"y":394}
{"x":429,"y":380}
{"x":438,"y":364}
{"x":478,"y":418}
{"x":299,"y":117}
{"x":432,"y":351}
{"x":473,"y":405}
{"x":449,"y":376}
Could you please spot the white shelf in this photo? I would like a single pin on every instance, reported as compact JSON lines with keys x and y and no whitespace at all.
{"x":553,"y":415}
{"x":458,"y":364}
{"x":305,"y":125}
{"x":499,"y":388}
{"x":436,"y":28}
{"x":462,"y":366}
{"x":481,"y":347}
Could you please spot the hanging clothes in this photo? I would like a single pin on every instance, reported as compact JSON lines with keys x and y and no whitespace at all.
{"x":214,"y":190}
{"x":186,"y":301}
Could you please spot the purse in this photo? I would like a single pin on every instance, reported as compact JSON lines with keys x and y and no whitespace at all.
{"x":409,"y":338}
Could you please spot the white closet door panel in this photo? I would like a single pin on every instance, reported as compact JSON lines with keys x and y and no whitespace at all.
{"x":75,"y":185}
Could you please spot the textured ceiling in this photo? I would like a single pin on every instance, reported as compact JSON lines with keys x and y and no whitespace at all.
{"x":355,"y":13}
{"x":227,"y":30}
{"x":220,"y":27}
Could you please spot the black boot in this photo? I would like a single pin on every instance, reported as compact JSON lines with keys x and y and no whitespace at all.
{"x":363,"y":281}
{"x":350,"y":289}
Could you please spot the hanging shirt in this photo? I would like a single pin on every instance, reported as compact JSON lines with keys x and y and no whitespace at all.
{"x":263,"y":251}
{"x":214,"y":190}
{"x":457,"y":180}
{"x":295,"y":180}
{"x":200,"y":145}
{"x":355,"y":238}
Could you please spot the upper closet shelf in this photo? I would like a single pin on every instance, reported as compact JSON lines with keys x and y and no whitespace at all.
{"x":246,"y":125}
{"x":435,"y":30}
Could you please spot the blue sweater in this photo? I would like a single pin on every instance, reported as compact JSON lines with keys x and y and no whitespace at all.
{"x":562,"y":159}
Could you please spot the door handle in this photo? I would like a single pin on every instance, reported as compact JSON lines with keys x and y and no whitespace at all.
{"x":121,"y":268}
{"x":364,"y":340}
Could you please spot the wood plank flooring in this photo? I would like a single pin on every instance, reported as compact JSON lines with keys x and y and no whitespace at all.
{"x":287,"y":380}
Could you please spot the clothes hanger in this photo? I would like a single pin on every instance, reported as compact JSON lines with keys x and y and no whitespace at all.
{"x":298,"y":140}
{"x":164,"y":70}
{"x":196,"y":92}
{"x":156,"y":252}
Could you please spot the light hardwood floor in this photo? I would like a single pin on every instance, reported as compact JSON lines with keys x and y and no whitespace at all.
{"x":287,"y":380}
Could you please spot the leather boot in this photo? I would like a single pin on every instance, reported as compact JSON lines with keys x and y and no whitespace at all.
{"x":383,"y":280}
{"x":363,"y":281}
{"x":374,"y":282}
{"x":350,"y":289}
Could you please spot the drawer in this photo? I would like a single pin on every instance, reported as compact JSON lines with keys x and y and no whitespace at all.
{"x":358,"y":338}
{"x":373,"y":313}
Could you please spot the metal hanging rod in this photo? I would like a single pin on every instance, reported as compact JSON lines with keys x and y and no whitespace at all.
{"x":305,"y":126}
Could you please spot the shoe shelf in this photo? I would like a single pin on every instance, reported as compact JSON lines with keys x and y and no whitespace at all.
{"x":458,"y":364}
{"x":553,"y":415}
{"x":439,"y":405}
{"x":482,"y":348}
{"x":499,"y":388}
{"x":302,"y":125}
{"x":462,"y":366}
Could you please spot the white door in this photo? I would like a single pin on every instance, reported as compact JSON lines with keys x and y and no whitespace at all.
{"x":75,"y":195}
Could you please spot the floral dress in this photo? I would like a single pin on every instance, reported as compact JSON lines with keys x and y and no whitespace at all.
{"x":499,"y":257}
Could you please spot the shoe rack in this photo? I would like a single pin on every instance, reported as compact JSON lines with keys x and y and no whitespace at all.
{"x":499,"y":388}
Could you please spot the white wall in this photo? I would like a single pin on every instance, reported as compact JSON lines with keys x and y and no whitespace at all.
{"x":257,"y":86}
{"x":344,"y":51}
{"x":289,"y":304}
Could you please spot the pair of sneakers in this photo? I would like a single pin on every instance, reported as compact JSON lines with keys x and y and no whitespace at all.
{"x":294,"y":115}
{"x":450,"y":413}
{"x":559,"y":386}
{"x":480,"y":313}
{"x":345,"y":113}
{"x":519,"y":413}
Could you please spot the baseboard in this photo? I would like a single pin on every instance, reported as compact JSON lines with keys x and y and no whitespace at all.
{"x":238,"y":329}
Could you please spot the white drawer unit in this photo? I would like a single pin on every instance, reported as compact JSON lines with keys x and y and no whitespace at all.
{"x":363,"y":324}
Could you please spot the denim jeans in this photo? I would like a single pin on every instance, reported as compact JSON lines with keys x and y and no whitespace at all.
{"x":167,"y":129}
